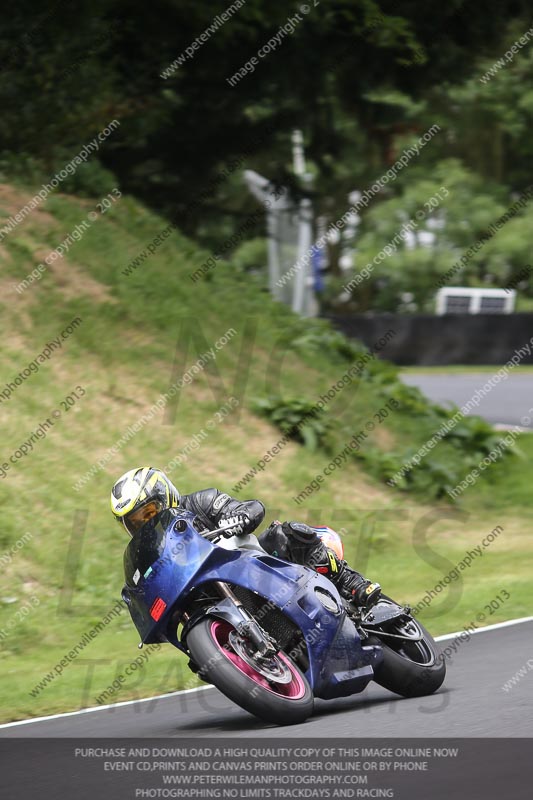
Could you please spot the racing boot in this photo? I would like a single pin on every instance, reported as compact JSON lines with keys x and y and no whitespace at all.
{"x":350,"y":583}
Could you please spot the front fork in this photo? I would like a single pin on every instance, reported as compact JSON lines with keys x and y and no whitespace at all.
{"x":232,"y":610}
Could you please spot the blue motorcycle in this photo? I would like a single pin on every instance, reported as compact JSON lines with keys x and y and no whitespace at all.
{"x":271,"y":635}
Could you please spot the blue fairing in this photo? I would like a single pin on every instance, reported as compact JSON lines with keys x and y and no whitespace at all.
{"x":176,"y":562}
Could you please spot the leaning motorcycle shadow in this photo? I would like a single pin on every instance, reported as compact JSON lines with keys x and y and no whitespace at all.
{"x":232,"y":719}
{"x":390,"y":704}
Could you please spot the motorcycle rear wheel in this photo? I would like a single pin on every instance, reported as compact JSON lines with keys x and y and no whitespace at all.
{"x":409,"y":668}
{"x":286,"y":703}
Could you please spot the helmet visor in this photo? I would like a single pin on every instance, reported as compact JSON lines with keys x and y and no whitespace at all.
{"x":134,"y":521}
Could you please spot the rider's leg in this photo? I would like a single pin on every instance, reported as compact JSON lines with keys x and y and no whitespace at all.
{"x":297,"y":542}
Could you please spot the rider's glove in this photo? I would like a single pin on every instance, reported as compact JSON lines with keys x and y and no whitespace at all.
{"x":234,"y":526}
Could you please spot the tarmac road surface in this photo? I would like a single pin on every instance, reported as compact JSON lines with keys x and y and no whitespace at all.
{"x":506,"y":403}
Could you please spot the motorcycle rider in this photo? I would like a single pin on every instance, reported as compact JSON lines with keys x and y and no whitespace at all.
{"x":142,"y":493}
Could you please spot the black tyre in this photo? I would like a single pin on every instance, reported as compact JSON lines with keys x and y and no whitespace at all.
{"x":409,"y":668}
{"x":224,"y":661}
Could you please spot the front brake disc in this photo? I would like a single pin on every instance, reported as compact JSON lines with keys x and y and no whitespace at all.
{"x":271,"y":668}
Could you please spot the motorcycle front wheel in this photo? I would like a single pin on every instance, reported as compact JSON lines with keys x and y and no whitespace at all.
{"x":272,"y":689}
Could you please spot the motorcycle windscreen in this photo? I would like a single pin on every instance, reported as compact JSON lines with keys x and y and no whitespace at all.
{"x":159,"y":565}
{"x":144,"y":549}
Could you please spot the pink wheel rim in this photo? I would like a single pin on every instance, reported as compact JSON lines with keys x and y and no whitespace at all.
{"x":291,"y":691}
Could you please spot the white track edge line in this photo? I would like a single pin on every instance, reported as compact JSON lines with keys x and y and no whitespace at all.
{"x":102,"y":708}
{"x":493,"y":627}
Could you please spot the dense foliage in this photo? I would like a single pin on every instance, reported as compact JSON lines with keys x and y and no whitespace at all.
{"x":362,"y":79}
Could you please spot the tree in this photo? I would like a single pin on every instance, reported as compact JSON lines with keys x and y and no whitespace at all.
{"x":74,"y":68}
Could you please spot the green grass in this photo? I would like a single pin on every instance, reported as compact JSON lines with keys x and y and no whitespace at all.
{"x":138,"y":334}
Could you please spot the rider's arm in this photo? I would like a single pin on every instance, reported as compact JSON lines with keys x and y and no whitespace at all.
{"x":213,"y":507}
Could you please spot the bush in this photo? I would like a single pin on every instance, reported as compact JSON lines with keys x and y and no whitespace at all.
{"x":299,"y":418}
{"x":251,"y":256}
{"x":90,"y":179}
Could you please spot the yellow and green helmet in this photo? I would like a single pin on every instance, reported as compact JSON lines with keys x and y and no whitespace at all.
{"x":140,"y":494}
